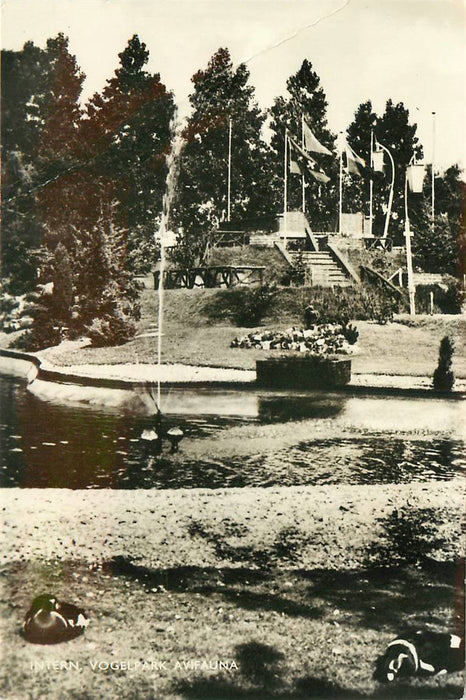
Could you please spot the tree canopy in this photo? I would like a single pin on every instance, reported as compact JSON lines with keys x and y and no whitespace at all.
{"x":222,"y":96}
{"x":306,"y":98}
{"x":128,"y":131}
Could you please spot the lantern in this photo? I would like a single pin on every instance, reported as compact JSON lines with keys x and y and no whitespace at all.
{"x":377,"y":161}
{"x":415,"y":173}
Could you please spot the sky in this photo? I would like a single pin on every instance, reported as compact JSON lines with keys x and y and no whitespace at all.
{"x":411,"y":51}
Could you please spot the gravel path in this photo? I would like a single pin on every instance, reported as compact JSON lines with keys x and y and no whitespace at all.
{"x":334,"y":524}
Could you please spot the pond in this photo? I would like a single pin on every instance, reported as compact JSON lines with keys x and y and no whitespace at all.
{"x":327,"y":439}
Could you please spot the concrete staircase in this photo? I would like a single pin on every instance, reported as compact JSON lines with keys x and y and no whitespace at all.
{"x":322,"y":269}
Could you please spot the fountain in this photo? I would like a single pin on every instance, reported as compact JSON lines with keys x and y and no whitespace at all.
{"x":155,"y":436}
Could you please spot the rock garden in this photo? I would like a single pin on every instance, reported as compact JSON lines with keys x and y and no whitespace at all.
{"x":321,"y":339}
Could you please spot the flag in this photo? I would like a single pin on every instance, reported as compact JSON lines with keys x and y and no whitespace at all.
{"x":311,"y":144}
{"x":314,"y":170}
{"x":320,"y":176}
{"x":354,"y":163}
{"x":301,"y":152}
{"x":377,"y":159}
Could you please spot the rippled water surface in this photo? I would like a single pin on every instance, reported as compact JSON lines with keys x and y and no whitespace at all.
{"x":45,"y":444}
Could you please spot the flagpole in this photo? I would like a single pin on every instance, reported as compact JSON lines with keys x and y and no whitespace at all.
{"x":302,"y":176}
{"x":285,"y":174}
{"x":285,"y":184}
{"x":340,"y":186}
{"x":433,"y":171}
{"x":371,"y":184}
{"x":229,"y":171}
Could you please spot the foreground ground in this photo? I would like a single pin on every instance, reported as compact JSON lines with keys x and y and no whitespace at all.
{"x":278,"y":634}
{"x":279,"y":584}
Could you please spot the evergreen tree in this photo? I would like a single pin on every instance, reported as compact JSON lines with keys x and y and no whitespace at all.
{"x":40,"y":148}
{"x":60,"y":152}
{"x":444,"y":379}
{"x":221,"y":93}
{"x":21,"y":232}
{"x":59,"y":144}
{"x":61,"y":213}
{"x":128,"y":132}
{"x":107,"y":304}
{"x":25,"y":81}
{"x":449,"y":195}
{"x":306,"y":97}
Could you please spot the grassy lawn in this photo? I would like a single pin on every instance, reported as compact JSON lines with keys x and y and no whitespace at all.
{"x":292,"y":633}
{"x":407,"y":346}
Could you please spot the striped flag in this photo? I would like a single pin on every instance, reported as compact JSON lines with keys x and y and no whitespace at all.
{"x":354,"y":163}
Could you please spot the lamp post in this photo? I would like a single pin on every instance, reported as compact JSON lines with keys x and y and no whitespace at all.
{"x":340,"y":185}
{"x":414,"y":173}
{"x":371,"y":183}
{"x":390,"y":197}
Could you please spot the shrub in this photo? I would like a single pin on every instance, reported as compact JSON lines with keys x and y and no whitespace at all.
{"x":251,"y":305}
{"x":364,"y":303}
{"x":111,"y":329}
{"x":410,"y":536}
{"x":351,"y":333}
{"x":44,"y":334}
{"x":297,"y":274}
{"x":448,"y":297}
{"x":452,"y":300}
{"x":444,"y":378}
{"x":244,"y":306}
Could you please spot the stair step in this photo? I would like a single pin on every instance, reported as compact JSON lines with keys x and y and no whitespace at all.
{"x":323,"y":269}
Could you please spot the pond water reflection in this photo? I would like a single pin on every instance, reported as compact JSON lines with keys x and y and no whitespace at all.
{"x":54,"y":444}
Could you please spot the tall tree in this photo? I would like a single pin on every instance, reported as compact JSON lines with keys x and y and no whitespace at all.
{"x":40,"y":139}
{"x":128,"y":132}
{"x":23,"y":83}
{"x":306,"y":97}
{"x":221,"y":95}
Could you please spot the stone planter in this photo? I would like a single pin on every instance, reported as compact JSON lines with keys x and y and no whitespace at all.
{"x":308,"y":372}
